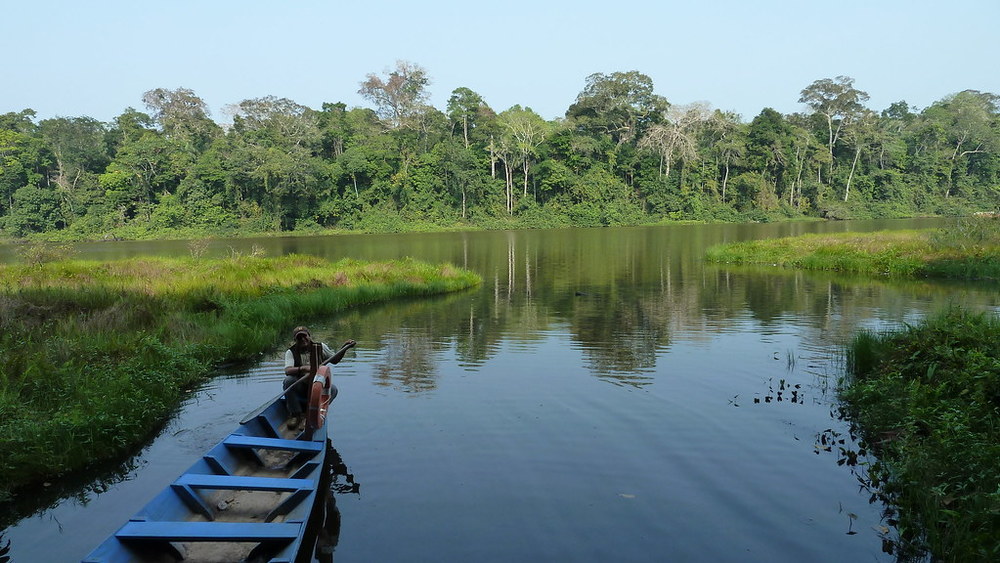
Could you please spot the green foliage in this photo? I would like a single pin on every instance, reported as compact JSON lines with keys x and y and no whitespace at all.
{"x":622,"y":155}
{"x":927,"y":399}
{"x":971,"y":250}
{"x":119,"y":342}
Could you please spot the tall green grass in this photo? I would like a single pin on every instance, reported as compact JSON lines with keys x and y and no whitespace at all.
{"x":927,"y":401}
{"x":970,"y":250}
{"x":97,"y":354}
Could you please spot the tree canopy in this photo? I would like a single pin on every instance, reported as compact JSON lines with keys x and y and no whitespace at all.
{"x":622,"y":154}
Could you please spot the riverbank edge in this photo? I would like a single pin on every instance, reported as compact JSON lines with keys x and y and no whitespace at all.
{"x":403,"y":228}
{"x":969,"y":251}
{"x":926,"y":401}
{"x":119,"y":382}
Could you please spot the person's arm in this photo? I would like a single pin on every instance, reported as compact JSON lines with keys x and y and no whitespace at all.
{"x":291,"y":368}
{"x":335,"y":359}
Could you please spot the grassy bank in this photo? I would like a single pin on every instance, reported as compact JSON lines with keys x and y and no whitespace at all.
{"x":927,"y":402}
{"x":97,"y":354}
{"x":970,"y":250}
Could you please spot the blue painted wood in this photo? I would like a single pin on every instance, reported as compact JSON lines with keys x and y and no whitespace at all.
{"x":158,"y":531}
{"x":208,"y":531}
{"x":287,"y":505}
{"x":239,"y":441}
{"x":193,"y":500}
{"x":217,"y":465}
{"x":241,"y":483}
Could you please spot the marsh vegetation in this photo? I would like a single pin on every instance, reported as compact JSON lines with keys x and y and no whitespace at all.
{"x":97,"y":354}
{"x":926,"y":399}
{"x":969,"y":250}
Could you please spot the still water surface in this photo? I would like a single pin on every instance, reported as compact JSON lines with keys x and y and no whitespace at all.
{"x":603,"y":396}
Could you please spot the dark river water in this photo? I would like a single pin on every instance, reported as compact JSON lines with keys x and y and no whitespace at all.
{"x":605,"y":395}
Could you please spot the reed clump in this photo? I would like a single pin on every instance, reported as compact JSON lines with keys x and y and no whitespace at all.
{"x":926,"y":401}
{"x":970,"y":250}
{"x":97,"y":354}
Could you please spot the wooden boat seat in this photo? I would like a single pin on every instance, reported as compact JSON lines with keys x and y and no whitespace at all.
{"x":240,"y":441}
{"x":242,"y":483}
{"x":208,"y":531}
{"x":186,"y":484}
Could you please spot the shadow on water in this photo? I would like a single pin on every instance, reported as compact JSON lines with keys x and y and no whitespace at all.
{"x":80,"y":486}
{"x":324,"y":530}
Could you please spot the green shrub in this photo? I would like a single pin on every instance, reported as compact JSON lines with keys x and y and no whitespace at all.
{"x":927,"y":400}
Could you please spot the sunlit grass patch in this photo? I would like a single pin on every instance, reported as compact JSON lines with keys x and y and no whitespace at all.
{"x":96,"y":354}
{"x":970,"y":252}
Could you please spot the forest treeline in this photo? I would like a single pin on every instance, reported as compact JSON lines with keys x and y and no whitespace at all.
{"x":621,"y":155}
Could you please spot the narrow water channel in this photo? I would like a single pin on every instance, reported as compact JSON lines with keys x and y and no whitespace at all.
{"x":603,"y":396}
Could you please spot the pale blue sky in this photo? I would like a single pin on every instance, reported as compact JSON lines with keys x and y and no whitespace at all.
{"x":75,"y":58}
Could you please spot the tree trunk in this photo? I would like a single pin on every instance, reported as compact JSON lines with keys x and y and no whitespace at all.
{"x":493,"y":160}
{"x":525,"y":166}
{"x":850,"y":176}
{"x":725,"y":181}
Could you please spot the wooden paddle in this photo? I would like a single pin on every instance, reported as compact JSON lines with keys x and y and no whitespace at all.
{"x":335,"y":358}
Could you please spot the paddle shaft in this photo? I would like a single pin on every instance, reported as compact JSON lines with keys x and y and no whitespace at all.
{"x":338,"y":355}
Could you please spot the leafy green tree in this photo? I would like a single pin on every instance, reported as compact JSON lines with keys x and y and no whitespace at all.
{"x":23,"y":159}
{"x":620,"y":104}
{"x":968,"y":122}
{"x":728,"y":145}
{"x":21,"y":122}
{"x":277,"y":122}
{"x":468,"y":111}
{"x":522,"y":132}
{"x":77,"y":144}
{"x":127,"y":127}
{"x":141,"y":170}
{"x":838,"y":101}
{"x":769,"y":153}
{"x":334,"y":128}
{"x":183,"y":116}
{"x":862,"y":133}
{"x":35,"y":210}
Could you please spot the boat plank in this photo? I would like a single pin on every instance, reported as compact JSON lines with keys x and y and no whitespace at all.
{"x":241,"y":441}
{"x":208,"y":531}
{"x":243,"y":483}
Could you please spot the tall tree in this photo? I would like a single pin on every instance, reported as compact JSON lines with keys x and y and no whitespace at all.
{"x":400,"y":95}
{"x":620,"y":104}
{"x":465,"y":110}
{"x":862,"y":133}
{"x":838,"y":101}
{"x":128,"y":127}
{"x":677,"y":137}
{"x":22,"y":163}
{"x":77,"y":143}
{"x":728,"y":144}
{"x":523,"y":131}
{"x":277,"y":122}
{"x":183,"y":116}
{"x":970,"y":125}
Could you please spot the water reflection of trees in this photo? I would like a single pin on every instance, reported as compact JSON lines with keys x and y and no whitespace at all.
{"x":624,"y":296}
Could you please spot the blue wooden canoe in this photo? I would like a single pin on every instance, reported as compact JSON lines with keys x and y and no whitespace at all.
{"x":249,"y":498}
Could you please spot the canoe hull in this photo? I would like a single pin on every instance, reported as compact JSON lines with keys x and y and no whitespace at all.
{"x":249,"y":497}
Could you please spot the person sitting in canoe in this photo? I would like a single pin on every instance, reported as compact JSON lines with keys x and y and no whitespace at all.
{"x":296,"y":383}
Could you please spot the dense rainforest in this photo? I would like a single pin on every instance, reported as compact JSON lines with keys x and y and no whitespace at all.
{"x":621,"y":155}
